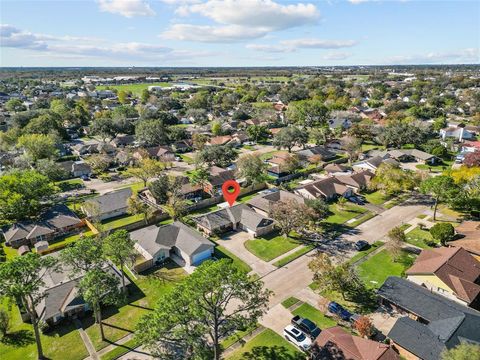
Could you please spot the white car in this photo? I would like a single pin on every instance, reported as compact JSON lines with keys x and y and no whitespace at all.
{"x":297,"y":337}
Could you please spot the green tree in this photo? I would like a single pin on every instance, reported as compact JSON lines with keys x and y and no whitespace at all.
{"x":159,"y":189}
{"x":463,"y":351}
{"x":15,"y":105}
{"x":308,"y":113}
{"x":38,"y":146}
{"x":290,"y":215}
{"x":200,"y":177}
{"x":395,"y":243}
{"x":215,"y":300}
{"x":252,"y":168}
{"x":219,"y":155}
{"x":146,"y":169}
{"x":352,"y":146}
{"x":99,"y":162}
{"x":391,"y":179}
{"x":319,"y":207}
{"x":329,"y":277}
{"x":151,"y":132}
{"x":122,"y":96}
{"x":443,"y":232}
{"x":441,"y":188}
{"x":144,"y":96}
{"x":51,"y":169}
{"x":84,"y":255}
{"x":22,"y":279}
{"x":290,"y":136}
{"x":137,"y":206}
{"x":103,"y":127}
{"x":99,"y":288}
{"x":22,"y":193}
{"x":258,"y":133}
{"x":216,"y":128}
{"x":119,"y":247}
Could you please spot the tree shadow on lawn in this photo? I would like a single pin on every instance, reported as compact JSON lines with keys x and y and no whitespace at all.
{"x":18,"y":338}
{"x":271,"y":353}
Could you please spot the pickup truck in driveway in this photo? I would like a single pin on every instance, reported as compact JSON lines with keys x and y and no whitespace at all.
{"x":307,"y":326}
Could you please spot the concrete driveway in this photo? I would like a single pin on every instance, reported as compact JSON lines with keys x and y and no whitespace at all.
{"x":235,"y":243}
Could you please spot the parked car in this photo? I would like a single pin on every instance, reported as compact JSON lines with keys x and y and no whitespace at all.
{"x":339,"y":310}
{"x":85,"y":178}
{"x":307,"y":326}
{"x":356,"y":200}
{"x":297,"y":337}
{"x":361,"y":245}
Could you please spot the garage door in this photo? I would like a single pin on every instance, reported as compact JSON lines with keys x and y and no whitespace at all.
{"x":198,"y":258}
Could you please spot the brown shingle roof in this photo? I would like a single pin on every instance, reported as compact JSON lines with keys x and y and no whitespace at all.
{"x":454,"y":266}
{"x":336,"y":343}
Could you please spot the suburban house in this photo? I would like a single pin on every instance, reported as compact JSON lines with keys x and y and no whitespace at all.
{"x":76,"y":168}
{"x":220,"y":140}
{"x":62,"y":299}
{"x":236,"y":217}
{"x":336,"y":343}
{"x":450,"y":272}
{"x":262,"y":204}
{"x":457,"y":132}
{"x":182,"y":146}
{"x":217,"y":177}
{"x":357,"y":181}
{"x":406,"y":155}
{"x":57,"y":221}
{"x":155,"y":152}
{"x":470,"y":230}
{"x":315,"y":154}
{"x":432,"y":323}
{"x":470,"y":146}
{"x":176,"y":241}
{"x":92,"y":147}
{"x":328,"y":188}
{"x":108,"y":205}
{"x":123,"y":141}
{"x":335,"y":169}
{"x":371,"y":163}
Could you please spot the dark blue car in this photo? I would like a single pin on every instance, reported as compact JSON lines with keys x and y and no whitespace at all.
{"x":339,"y":310}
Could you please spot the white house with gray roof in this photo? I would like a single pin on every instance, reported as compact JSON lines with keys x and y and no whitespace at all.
{"x":108,"y":205}
{"x":177,"y":241}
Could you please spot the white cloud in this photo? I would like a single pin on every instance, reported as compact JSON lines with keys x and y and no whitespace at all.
{"x":213,"y":34}
{"x":69,"y":46}
{"x":467,"y":55}
{"x":337,"y":56}
{"x":127,"y":8}
{"x":295,"y":44}
{"x":237,"y":20}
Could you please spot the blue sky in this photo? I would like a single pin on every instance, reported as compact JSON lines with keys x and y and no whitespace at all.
{"x":238,"y":32}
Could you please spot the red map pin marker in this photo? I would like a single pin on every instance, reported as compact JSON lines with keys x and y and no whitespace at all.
{"x":231,"y":190}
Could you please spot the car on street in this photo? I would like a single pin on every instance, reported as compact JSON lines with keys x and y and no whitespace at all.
{"x":307,"y":326}
{"x":339,"y":310}
{"x":361,"y":245}
{"x":297,"y":337}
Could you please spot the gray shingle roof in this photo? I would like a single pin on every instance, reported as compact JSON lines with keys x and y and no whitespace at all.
{"x":153,"y":239}
{"x":448,"y":322}
{"x":239,"y":214}
{"x":112,"y":201}
{"x":55,"y":218}
{"x":265,"y":202}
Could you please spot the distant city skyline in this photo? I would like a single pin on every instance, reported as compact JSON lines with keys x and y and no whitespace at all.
{"x":238,"y":32}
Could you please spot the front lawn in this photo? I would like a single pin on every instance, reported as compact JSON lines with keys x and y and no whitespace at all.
{"x":377,"y":197}
{"x":360,"y":220}
{"x":341,"y":215}
{"x":222,"y":253}
{"x":376,"y":269}
{"x":420,"y":238}
{"x":20,"y":340}
{"x":363,"y":253}
{"x":287,"y":259}
{"x":146,"y":290}
{"x":267,"y":345}
{"x":308,"y":311}
{"x":289,"y":302}
{"x":269,"y":248}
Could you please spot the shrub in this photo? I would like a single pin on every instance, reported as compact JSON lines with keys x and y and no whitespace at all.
{"x":442,"y":232}
{"x":4,"y":323}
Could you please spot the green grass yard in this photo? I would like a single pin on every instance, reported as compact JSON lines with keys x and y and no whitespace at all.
{"x":267,"y":345}
{"x":376,"y":269}
{"x":20,"y":340}
{"x":289,"y":302}
{"x":222,"y":253}
{"x":287,"y":259}
{"x":363,"y":253}
{"x":117,"y":222}
{"x":342,"y":215}
{"x":269,"y":248}
{"x":419,"y":237}
{"x":148,"y":288}
{"x":308,"y":311}
{"x":136,"y":89}
{"x":377,"y":197}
